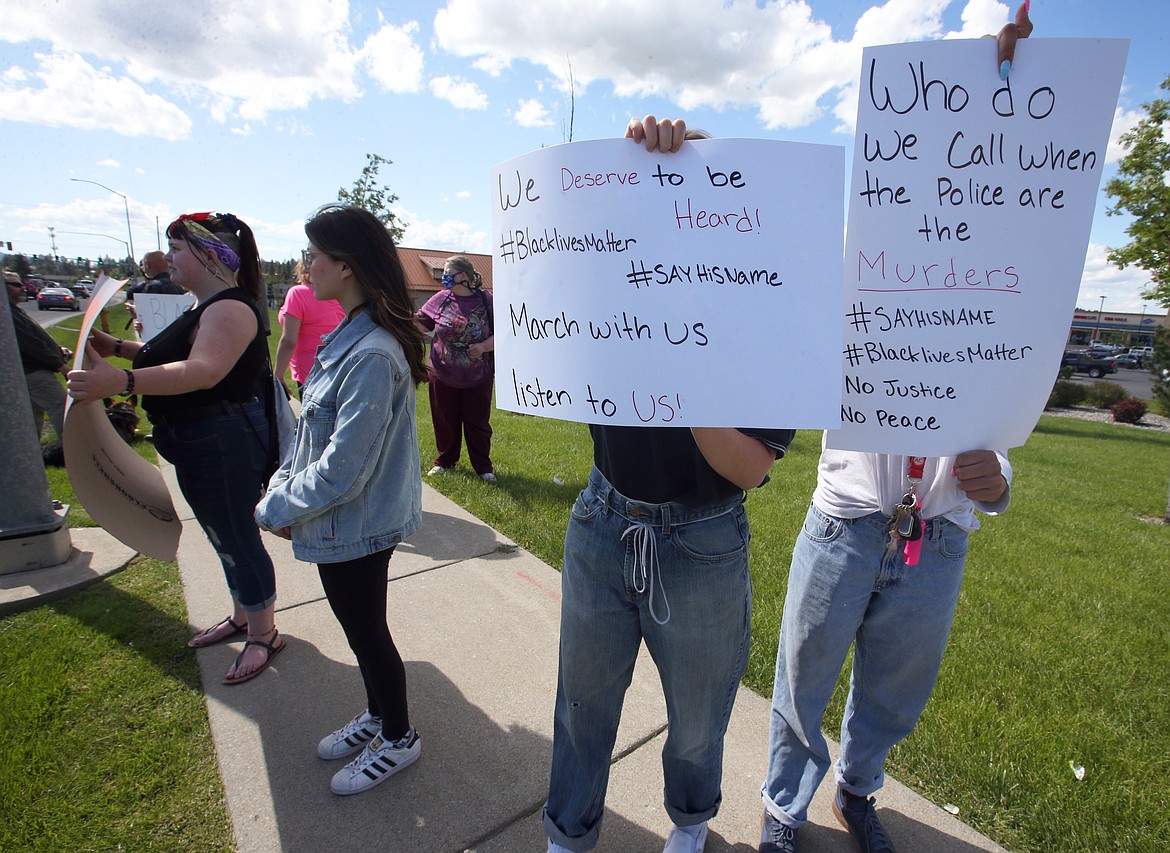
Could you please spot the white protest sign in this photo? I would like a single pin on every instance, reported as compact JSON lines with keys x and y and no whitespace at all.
{"x":969,"y":216}
{"x":156,"y":311}
{"x":689,"y":289}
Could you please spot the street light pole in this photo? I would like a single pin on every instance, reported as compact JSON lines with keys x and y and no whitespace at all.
{"x":96,"y":234}
{"x":1097,"y":331}
{"x":125,"y":202}
{"x":1142,"y":328}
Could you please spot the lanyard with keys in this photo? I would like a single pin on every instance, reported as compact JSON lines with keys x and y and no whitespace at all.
{"x":907,"y":523}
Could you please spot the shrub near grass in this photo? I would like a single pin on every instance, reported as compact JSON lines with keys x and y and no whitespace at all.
{"x":1104,"y":395}
{"x":1129,"y":411}
{"x":1066,"y":393}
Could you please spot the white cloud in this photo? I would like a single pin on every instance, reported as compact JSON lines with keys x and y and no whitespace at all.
{"x":90,"y":226}
{"x":1123,"y":121}
{"x":110,"y":163}
{"x":1122,"y":288}
{"x":393,"y":59}
{"x":531,"y":113}
{"x":775,"y":57}
{"x":462,"y":94}
{"x":248,"y":59}
{"x":450,"y":235}
{"x":66,"y":91}
{"x":463,"y":195}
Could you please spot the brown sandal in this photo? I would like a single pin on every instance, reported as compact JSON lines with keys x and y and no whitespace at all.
{"x":272,"y":649}
{"x":237,"y":629}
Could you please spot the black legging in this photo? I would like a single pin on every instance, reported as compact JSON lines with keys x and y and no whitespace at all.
{"x":356,"y":590}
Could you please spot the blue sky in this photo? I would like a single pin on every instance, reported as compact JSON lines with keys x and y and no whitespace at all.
{"x":265,"y":109}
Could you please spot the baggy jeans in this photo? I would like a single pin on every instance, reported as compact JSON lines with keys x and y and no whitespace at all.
{"x":848,"y":586}
{"x":676,"y":577}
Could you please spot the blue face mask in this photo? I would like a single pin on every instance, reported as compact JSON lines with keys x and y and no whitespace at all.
{"x":448,"y":281}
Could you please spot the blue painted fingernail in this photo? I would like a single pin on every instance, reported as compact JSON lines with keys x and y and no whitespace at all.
{"x":1004,"y":68}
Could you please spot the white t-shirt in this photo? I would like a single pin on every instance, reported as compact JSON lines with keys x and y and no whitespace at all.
{"x":851,"y":484}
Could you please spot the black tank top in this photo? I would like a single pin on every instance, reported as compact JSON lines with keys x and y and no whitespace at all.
{"x":174,"y":344}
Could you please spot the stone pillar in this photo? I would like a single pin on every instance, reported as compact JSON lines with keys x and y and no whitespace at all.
{"x":33,"y":534}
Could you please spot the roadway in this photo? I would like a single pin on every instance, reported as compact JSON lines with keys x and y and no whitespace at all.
{"x":1137,"y":383}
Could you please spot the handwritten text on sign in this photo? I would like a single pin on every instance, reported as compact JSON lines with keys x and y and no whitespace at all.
{"x":969,"y":216}
{"x":156,"y":311}
{"x":687,"y":289}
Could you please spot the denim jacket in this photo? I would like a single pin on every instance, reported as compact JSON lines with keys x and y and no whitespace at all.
{"x":351,"y":486}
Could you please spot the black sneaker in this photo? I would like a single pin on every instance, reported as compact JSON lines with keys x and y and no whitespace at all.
{"x":776,"y":837}
{"x":858,"y":815}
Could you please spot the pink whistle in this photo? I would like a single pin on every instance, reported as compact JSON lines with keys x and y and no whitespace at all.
{"x":911,"y":550}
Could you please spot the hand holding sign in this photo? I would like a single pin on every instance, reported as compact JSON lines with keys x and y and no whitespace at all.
{"x":970,"y":209}
{"x":637,"y":287}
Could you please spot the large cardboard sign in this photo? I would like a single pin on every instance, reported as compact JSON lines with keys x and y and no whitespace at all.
{"x":120,"y":490}
{"x":156,"y":311}
{"x":688,"y":289}
{"x":969,"y":216}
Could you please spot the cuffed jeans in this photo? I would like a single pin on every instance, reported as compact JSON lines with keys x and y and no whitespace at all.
{"x":676,"y":577}
{"x":847,"y":585}
{"x":220,"y":463}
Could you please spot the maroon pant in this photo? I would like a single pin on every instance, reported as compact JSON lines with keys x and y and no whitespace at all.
{"x":462,"y":413}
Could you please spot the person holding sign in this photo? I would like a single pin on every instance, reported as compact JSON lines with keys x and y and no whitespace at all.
{"x":202,"y":381}
{"x":878,"y":565}
{"x":656,"y":551}
{"x":351,"y":491}
{"x":462,"y":367}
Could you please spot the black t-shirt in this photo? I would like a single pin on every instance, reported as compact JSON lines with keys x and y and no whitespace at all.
{"x":661,"y":464}
{"x":161,"y":283}
{"x":174,"y":344}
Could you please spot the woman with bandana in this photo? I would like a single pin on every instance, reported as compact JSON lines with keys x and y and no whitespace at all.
{"x":461,"y":367}
{"x":202,"y":382}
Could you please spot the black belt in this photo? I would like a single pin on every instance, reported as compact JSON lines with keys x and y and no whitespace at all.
{"x":197,"y":413}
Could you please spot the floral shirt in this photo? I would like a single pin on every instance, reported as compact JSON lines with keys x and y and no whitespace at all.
{"x":458,"y":322}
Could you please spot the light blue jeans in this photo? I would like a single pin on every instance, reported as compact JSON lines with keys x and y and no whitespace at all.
{"x":676,"y":577}
{"x":847,"y":585}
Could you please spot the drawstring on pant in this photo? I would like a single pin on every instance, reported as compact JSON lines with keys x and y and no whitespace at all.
{"x":646,"y":556}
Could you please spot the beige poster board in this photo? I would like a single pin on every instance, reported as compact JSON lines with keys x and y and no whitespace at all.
{"x":120,"y":490}
{"x":970,"y":208}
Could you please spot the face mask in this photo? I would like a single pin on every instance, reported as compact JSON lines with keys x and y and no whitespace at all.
{"x":448,"y":281}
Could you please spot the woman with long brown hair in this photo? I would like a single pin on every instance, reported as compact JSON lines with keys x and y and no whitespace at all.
{"x":351,"y":490}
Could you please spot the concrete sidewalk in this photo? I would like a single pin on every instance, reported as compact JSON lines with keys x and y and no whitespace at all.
{"x":476,"y":620}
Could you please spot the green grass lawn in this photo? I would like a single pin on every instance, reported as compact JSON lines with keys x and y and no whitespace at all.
{"x":1059,"y":653}
{"x":1061,"y":645}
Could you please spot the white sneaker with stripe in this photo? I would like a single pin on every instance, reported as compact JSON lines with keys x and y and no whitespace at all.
{"x":351,"y":737}
{"x":379,"y":760}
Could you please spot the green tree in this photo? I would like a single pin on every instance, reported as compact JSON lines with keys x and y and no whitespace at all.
{"x":1142,"y":190}
{"x":375,"y":197}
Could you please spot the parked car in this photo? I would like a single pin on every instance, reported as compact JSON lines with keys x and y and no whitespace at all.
{"x":1142,"y":352}
{"x":1104,"y":350}
{"x":1084,"y":362}
{"x":1128,"y":359}
{"x":57,"y":297}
